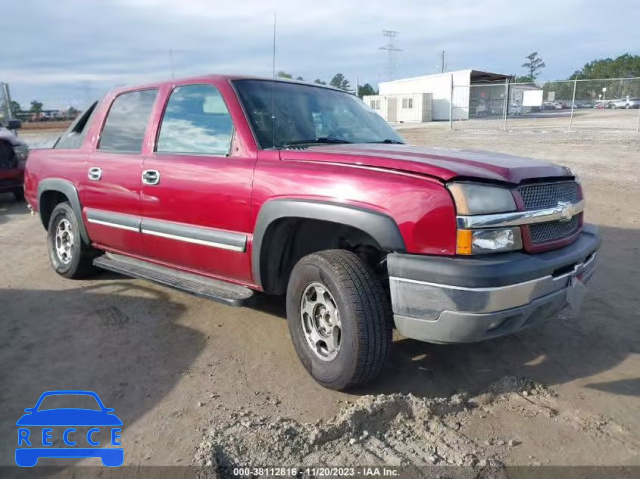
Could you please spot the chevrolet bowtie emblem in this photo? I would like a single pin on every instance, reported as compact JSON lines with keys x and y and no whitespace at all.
{"x":567,"y":210}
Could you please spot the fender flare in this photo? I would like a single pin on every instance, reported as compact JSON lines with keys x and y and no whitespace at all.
{"x":68,"y":189}
{"x":379,"y":226}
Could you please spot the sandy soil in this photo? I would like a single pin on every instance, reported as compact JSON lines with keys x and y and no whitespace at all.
{"x":178,"y":368}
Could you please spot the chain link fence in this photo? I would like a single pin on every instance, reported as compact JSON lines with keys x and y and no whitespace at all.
{"x":611,"y":104}
{"x":606,"y":104}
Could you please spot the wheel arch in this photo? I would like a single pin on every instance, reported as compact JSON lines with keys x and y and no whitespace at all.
{"x":48,"y":191}
{"x":381,"y":228}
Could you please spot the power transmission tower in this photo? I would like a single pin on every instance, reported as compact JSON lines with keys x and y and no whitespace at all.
{"x":392,"y":50}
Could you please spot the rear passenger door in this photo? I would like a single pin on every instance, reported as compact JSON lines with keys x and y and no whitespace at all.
{"x":197,"y":187}
{"x":110,"y":193}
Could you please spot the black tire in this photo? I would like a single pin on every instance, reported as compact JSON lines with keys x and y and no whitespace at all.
{"x":18,"y":194}
{"x":79,"y":261}
{"x":364,"y":311}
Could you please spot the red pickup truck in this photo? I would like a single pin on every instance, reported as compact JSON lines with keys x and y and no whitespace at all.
{"x":226,"y":185}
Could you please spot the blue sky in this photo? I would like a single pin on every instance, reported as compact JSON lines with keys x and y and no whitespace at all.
{"x":66,"y":52}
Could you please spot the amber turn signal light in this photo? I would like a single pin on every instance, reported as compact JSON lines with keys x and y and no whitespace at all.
{"x":463,"y":244}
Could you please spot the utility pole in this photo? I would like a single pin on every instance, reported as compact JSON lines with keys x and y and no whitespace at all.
{"x":392,"y":50}
{"x":6,"y":97}
{"x":273,"y":65}
{"x":442,"y":63}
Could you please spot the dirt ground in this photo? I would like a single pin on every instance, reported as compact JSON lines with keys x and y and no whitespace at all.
{"x":196,"y":382}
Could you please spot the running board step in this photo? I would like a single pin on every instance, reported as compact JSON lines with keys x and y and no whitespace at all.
{"x":214,"y":289}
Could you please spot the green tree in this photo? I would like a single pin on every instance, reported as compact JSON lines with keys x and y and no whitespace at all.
{"x":624,"y":66}
{"x":36,"y":107}
{"x":15,"y":108}
{"x":534,"y":65}
{"x":282,"y":74}
{"x":72,"y":112}
{"x":299,"y":78}
{"x":339,"y":81}
{"x":524,"y":79}
{"x":319,"y":82}
{"x":601,"y":74}
{"x":366,"y":90}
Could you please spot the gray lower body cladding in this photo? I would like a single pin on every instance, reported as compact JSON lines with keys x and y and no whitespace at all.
{"x":452,"y":300}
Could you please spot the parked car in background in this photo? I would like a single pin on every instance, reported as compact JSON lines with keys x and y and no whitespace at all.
{"x":515,"y":109}
{"x":552,"y":105}
{"x":13,"y":157}
{"x":222,"y":185}
{"x":627,"y":103}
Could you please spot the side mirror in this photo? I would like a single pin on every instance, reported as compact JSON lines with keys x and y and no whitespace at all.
{"x":14,"y":124}
{"x":29,"y":409}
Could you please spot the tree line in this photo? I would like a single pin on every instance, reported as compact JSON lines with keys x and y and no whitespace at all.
{"x":338,"y":81}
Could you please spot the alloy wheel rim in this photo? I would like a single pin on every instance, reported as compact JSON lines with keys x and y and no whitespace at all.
{"x":64,"y":241}
{"x":321,"y":323}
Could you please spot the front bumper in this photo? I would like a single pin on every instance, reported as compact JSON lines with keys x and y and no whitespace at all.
{"x":457,"y":300}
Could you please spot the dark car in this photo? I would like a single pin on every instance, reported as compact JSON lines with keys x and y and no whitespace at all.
{"x":13,"y":157}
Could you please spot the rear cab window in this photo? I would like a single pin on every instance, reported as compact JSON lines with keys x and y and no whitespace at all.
{"x":126,"y":123}
{"x":75,"y":134}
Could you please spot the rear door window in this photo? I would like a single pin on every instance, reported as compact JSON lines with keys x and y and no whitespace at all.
{"x":196,"y":121}
{"x":126,"y":122}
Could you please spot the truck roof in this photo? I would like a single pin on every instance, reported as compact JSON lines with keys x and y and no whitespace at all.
{"x":215,"y":77}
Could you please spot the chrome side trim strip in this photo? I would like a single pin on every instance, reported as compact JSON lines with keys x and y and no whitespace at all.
{"x":113,"y":225}
{"x":167,"y":229}
{"x":115,"y":220}
{"x":518,"y":218}
{"x":195,"y":234}
{"x":194,"y":240}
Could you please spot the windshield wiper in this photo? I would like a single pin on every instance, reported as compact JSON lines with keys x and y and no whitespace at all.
{"x":316,"y":141}
{"x":388,"y":141}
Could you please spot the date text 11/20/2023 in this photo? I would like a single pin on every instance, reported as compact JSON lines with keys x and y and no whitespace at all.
{"x":317,"y":471}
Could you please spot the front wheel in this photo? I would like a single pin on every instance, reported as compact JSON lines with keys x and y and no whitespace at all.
{"x":339,"y":318}
{"x":70,"y":256}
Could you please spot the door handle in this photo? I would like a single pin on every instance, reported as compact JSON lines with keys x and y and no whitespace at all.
{"x":95,"y":173}
{"x":151,"y":177}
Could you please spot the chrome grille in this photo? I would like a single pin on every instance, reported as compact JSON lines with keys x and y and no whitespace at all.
{"x":553,"y":230}
{"x":547,"y":195}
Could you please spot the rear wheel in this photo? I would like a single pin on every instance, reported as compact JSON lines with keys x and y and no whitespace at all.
{"x":339,"y":318}
{"x":70,"y":256}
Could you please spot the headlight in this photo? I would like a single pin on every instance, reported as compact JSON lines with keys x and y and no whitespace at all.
{"x":475,"y":199}
{"x":22,"y":152}
{"x":488,"y":240}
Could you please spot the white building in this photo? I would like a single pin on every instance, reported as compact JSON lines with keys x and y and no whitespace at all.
{"x":409,"y":108}
{"x":436,"y":97}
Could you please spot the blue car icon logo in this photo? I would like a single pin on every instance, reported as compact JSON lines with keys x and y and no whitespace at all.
{"x":70,"y":424}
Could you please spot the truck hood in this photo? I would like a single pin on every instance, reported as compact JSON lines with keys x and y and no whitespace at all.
{"x":443,"y":163}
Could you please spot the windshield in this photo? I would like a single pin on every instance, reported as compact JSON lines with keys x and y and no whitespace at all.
{"x":306,"y":114}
